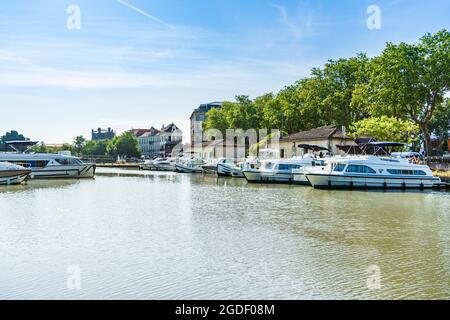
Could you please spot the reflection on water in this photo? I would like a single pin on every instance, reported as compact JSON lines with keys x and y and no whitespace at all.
{"x":149,"y":235}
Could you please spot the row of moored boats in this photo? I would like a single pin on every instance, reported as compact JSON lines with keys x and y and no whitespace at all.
{"x":355,"y":172}
{"x":351,"y":171}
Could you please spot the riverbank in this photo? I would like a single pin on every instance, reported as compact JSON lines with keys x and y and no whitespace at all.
{"x":444,"y":175}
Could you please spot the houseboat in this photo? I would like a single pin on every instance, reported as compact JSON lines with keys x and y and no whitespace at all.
{"x":365,"y":172}
{"x":45,"y":166}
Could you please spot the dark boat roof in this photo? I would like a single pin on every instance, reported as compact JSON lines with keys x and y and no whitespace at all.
{"x":370,"y":146}
{"x":312,"y":147}
{"x":21,"y":146}
{"x":386,"y":144}
{"x":22,"y":142}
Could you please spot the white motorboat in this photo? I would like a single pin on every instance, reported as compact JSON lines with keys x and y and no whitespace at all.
{"x":298,"y":175}
{"x":225,"y":167}
{"x":251,"y":164}
{"x":191,"y":165}
{"x":210,"y":167}
{"x":47,"y":166}
{"x":365,"y":172}
{"x":148,"y":165}
{"x":164,"y":164}
{"x":12,"y":174}
{"x":277,"y":171}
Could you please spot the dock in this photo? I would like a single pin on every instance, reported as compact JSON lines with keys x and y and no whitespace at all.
{"x":135,"y":166}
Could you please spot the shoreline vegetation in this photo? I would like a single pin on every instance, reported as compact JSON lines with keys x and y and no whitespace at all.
{"x":399,"y":96}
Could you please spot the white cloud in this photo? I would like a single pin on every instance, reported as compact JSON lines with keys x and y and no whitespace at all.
{"x":148,"y":15}
{"x":299,"y":24}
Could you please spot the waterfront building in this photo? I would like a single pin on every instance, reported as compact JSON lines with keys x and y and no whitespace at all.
{"x":102,"y":134}
{"x":329,"y":137}
{"x":216,"y":149}
{"x":198,"y":116}
{"x":159,"y":143}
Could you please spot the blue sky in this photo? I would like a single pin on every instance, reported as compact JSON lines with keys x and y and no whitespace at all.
{"x":137,"y":63}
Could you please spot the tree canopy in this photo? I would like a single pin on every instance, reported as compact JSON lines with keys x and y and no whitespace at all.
{"x":406,"y":81}
{"x":13,"y":135}
{"x":409,"y":81}
{"x":386,"y":128}
{"x":124,"y":145}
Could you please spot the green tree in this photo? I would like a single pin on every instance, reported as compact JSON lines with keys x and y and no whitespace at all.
{"x":95,"y":148}
{"x":440,"y":123}
{"x":217,"y":119}
{"x":40,"y":148}
{"x":78,"y":144}
{"x":409,"y":81}
{"x":328,"y":93}
{"x":386,"y":128}
{"x":124,"y":145}
{"x":13,"y":135}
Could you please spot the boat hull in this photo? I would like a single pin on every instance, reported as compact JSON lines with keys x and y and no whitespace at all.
{"x":268,"y":177}
{"x":209,"y":169}
{"x":224,"y":170}
{"x":300,"y":179}
{"x":147,"y":167}
{"x":237,"y":173}
{"x":329,"y":181}
{"x":183,"y":169}
{"x":13,"y":177}
{"x":164,"y":167}
{"x":64,"y":172}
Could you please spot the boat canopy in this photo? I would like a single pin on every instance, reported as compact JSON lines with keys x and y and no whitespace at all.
{"x":386,"y":144}
{"x":21,"y":146}
{"x":312,"y":147}
{"x":369,"y":146}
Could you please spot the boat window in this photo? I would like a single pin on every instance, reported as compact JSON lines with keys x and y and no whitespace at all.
{"x":339,"y":167}
{"x":406,"y":172}
{"x":287,"y":167}
{"x":23,"y":164}
{"x":353,"y":168}
{"x":40,"y":164}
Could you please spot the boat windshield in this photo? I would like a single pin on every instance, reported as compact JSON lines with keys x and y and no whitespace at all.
{"x":228,"y":161}
{"x":267,"y":166}
{"x":339,"y":167}
{"x":68,"y":161}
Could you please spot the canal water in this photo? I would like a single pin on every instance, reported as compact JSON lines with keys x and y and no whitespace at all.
{"x":144,"y":235}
